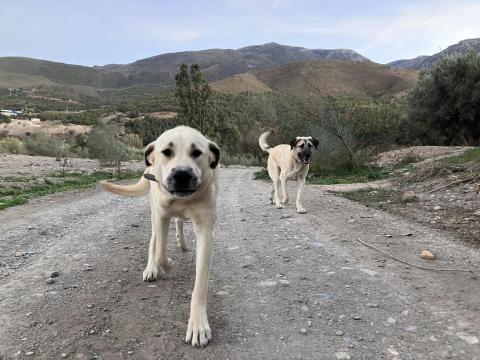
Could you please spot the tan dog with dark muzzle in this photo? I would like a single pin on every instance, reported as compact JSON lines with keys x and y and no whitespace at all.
{"x":181,"y":175}
{"x":288,"y":162}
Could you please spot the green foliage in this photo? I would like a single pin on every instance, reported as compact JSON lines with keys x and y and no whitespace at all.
{"x":195,"y":99}
{"x":45,"y":145}
{"x":361,"y":174}
{"x":105,"y":145}
{"x":149,"y":128}
{"x":4,"y":119}
{"x":11,"y":145}
{"x":63,"y":181}
{"x":80,"y":118}
{"x":444,"y":107}
{"x":469,"y":156}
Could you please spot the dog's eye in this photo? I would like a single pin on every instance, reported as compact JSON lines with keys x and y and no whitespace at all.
{"x":167,"y":152}
{"x":309,"y":145}
{"x":301,"y":145}
{"x":196,"y":153}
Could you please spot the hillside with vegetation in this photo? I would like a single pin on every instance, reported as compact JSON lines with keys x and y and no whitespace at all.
{"x":339,"y":78}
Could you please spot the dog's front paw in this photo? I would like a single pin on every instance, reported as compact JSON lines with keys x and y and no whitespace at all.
{"x":198,"y":330}
{"x":152,"y":272}
{"x":301,"y":211}
{"x":279,"y":206}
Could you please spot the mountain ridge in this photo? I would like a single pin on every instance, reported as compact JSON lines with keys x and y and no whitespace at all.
{"x":425,"y":61}
{"x":160,"y":69}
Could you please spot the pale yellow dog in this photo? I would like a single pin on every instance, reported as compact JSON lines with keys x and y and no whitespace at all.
{"x":181,"y":175}
{"x":288,"y":162}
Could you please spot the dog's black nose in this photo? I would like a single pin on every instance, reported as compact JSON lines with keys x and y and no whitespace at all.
{"x":182,"y":176}
{"x":182,"y":181}
{"x":307,"y":156}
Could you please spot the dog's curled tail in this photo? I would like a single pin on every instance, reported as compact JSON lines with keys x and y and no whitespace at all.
{"x":262,"y":141}
{"x":138,"y":189}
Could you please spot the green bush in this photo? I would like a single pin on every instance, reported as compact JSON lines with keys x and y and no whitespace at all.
{"x":45,"y":145}
{"x":444,"y":107}
{"x":5,"y":119}
{"x":11,"y":145}
{"x":105,"y":145}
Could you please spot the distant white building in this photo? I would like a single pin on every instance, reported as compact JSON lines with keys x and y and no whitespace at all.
{"x":14,"y":113}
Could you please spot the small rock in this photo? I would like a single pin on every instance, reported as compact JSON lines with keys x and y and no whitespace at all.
{"x":372,"y":305}
{"x":222,"y":293}
{"x":426,"y":254}
{"x":282,"y":337}
{"x":303,"y":331}
{"x":50,"y":281}
{"x":134,"y":225}
{"x":64,"y":355}
{"x":18,"y":254}
{"x":339,"y":333}
{"x":409,"y":195}
{"x":356,"y":317}
{"x":130,"y":353}
{"x":392,"y":351}
{"x":342,"y":355}
{"x":469,"y":339}
{"x":477,"y":213}
{"x":92,"y":332}
{"x":309,"y":323}
{"x":54,"y":274}
{"x":391,"y":321}
{"x":29,"y":353}
{"x":437,"y":207}
{"x":412,"y":328}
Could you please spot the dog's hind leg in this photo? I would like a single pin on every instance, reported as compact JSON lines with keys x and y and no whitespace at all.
{"x":274,"y":173}
{"x":272,"y":194}
{"x":182,"y":244}
{"x":283,"y":181}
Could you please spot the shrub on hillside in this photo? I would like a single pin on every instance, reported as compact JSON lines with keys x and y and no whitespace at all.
{"x":11,"y":145}
{"x":444,"y":107}
{"x":105,"y":145}
{"x":5,"y":119}
{"x":46,"y":145}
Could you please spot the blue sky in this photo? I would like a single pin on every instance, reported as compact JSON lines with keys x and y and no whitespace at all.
{"x":99,"y":32}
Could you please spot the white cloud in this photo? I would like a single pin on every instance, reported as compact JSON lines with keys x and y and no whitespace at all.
{"x":428,"y":29}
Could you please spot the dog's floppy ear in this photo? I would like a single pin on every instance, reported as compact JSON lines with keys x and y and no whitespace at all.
{"x":149,"y":154}
{"x":315,"y":142}
{"x":216,"y":154}
{"x":293,"y":143}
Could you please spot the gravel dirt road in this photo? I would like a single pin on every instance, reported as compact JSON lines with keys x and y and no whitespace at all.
{"x":283,"y":285}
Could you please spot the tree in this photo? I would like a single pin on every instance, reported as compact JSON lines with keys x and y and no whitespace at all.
{"x":195,"y":99}
{"x":444,"y":107}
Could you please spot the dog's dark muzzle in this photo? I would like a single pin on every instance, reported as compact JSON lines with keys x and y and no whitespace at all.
{"x":182,"y":182}
{"x":305,"y":157}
